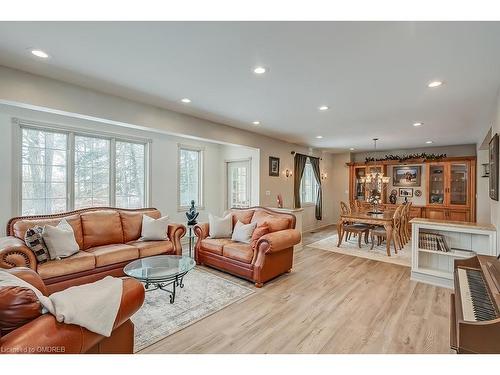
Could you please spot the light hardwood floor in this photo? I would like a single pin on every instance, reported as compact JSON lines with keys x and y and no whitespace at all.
{"x":330,"y":303}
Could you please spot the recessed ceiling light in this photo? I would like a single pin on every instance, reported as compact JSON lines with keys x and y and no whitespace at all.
{"x":428,"y":142}
{"x":256,"y":122}
{"x":259,"y":70}
{"x":418,"y":124}
{"x":352,"y":149}
{"x":434,"y":84}
{"x":186,"y":100}
{"x":319,"y":136}
{"x":40,"y":53}
{"x":323,"y":108}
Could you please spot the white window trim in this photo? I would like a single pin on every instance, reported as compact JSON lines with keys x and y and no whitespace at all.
{"x":72,"y":132}
{"x":201,"y":176}
{"x":226,"y":164}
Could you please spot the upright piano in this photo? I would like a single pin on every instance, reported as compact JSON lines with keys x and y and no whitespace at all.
{"x":475,"y":305}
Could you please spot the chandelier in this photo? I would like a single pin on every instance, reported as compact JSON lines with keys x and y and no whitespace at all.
{"x":375,"y":183}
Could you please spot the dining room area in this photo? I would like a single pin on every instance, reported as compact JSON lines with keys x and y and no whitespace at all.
{"x":372,"y":226}
{"x":385,"y":190}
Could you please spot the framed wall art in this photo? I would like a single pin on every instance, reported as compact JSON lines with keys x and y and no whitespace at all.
{"x":274,"y":166}
{"x":406,"y":176}
{"x":406,"y":192}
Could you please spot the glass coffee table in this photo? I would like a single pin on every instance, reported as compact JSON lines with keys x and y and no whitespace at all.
{"x":161,"y":272}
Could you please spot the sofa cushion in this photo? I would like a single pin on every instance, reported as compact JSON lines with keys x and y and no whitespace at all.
{"x":111,"y":254}
{"x":214,"y":245}
{"x":60,"y":240}
{"x":275,"y":222}
{"x":260,"y":231}
{"x":101,"y":228}
{"x":132,"y":223}
{"x":238,"y":251}
{"x":150,"y":248}
{"x":220,"y":227}
{"x":35,"y":242}
{"x":81,"y":261}
{"x":21,"y":226}
{"x":245,"y":216}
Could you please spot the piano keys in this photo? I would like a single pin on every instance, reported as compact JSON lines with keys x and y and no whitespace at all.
{"x":475,"y":306}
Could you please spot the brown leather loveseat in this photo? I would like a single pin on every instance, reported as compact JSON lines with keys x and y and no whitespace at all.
{"x":270,"y":256}
{"x":24,"y":330}
{"x":108,"y":239}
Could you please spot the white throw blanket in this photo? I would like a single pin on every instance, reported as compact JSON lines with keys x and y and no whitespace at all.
{"x":93,"y":306}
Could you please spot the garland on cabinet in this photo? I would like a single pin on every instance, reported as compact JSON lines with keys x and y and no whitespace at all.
{"x":403,"y":158}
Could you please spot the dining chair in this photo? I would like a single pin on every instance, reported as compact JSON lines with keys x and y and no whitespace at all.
{"x":380,"y":234}
{"x":357,"y":229}
{"x":405,"y":226}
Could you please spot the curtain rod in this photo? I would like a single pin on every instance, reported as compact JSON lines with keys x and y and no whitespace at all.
{"x":309,"y":156}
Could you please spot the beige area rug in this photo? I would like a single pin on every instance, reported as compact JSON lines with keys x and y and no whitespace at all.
{"x":204,"y":293}
{"x":379,"y":253}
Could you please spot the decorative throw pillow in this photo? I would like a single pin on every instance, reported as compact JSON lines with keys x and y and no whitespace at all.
{"x":154,"y":229}
{"x":34,"y":240}
{"x":220,"y":227}
{"x":260,"y":231}
{"x":60,"y":240}
{"x":243,"y":232}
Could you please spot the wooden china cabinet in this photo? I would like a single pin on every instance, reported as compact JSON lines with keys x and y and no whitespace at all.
{"x":358,"y":191}
{"x":449,"y":187}
{"x":450,"y":190}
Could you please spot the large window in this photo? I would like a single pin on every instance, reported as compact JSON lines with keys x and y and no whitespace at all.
{"x":44,"y":162}
{"x":308,"y":185}
{"x":92,"y":172}
{"x":190,"y":176}
{"x":130,"y":174}
{"x":65,"y":170}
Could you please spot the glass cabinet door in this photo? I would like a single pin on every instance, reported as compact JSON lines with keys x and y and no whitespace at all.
{"x":436,"y":184}
{"x":359,"y":192}
{"x":459,"y":177}
{"x":378,"y":187}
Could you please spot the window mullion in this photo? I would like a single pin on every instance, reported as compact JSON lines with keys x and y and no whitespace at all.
{"x":70,"y":173}
{"x":112,"y":174}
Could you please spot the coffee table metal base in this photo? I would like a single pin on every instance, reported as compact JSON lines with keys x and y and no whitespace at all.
{"x":175,"y":281}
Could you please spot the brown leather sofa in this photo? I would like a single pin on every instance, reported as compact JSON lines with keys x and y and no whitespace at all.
{"x":108,"y":240}
{"x":23,"y":330}
{"x":271,"y":256}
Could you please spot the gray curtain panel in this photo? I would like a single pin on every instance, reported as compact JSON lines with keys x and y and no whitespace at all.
{"x":319,"y":196}
{"x":298,"y":171}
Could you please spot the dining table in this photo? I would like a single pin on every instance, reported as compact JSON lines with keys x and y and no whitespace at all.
{"x":384,"y":219}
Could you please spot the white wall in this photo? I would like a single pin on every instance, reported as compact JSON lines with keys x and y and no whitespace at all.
{"x":163,"y":163}
{"x":483,"y":205}
{"x":237,"y":153}
{"x":495,"y":205}
{"x":340,"y":177}
{"x":52,"y":96}
{"x":450,"y":151}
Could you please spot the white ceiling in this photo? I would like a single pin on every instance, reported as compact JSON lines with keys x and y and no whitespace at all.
{"x":373,"y":75}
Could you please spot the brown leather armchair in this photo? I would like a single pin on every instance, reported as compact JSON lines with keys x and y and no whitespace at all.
{"x":271,"y":255}
{"x":25,"y":331}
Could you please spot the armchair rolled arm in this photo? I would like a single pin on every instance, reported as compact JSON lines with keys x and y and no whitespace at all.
{"x":46,"y":335}
{"x":15,"y":253}
{"x":276,"y":241}
{"x":31,"y":277}
{"x":201,"y":231}
{"x":175,"y":232}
